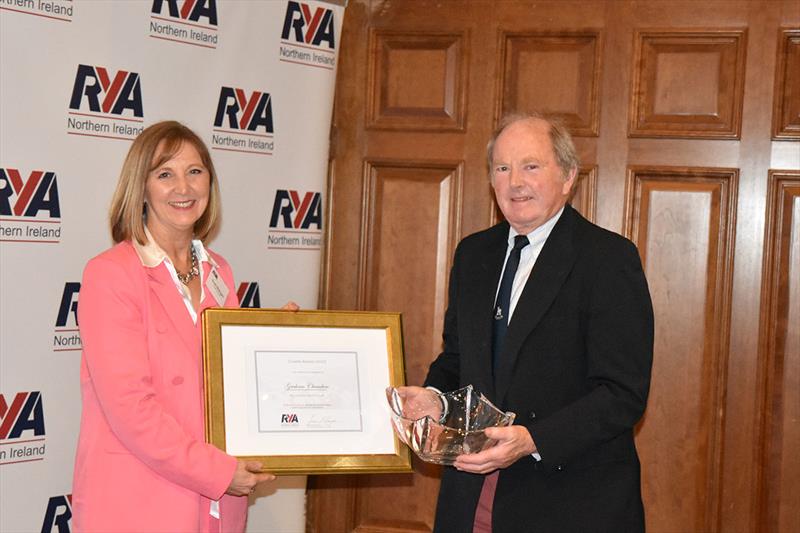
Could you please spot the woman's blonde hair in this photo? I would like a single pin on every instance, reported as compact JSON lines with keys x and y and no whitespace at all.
{"x":162,"y":140}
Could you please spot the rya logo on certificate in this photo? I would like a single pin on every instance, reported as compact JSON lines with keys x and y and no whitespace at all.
{"x":288,"y":419}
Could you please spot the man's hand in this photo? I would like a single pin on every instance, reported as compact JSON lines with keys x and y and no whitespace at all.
{"x":419,"y":402}
{"x":246,"y":477}
{"x":290,"y":306}
{"x":513,"y":442}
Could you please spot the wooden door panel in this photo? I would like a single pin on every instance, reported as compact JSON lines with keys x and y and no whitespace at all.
{"x":398,"y":502}
{"x":780,"y":355}
{"x":786,"y":106}
{"x":681,"y":221}
{"x":396,"y":98}
{"x":688,"y":83}
{"x":534,"y":63}
{"x":408,"y":235}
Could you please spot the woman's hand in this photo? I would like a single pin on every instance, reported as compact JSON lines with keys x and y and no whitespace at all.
{"x":247,"y":475}
{"x":290,"y":306}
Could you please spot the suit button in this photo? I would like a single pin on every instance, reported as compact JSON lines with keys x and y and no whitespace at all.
{"x":560,"y":468}
{"x":531,"y":416}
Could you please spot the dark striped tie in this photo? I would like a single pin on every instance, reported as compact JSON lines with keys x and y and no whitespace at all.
{"x":503,"y":303}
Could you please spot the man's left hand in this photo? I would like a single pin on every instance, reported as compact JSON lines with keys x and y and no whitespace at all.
{"x":513,"y":442}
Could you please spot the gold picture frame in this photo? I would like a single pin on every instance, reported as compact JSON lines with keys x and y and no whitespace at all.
{"x":305,"y":389}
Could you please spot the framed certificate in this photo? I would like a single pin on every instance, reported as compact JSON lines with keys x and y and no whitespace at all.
{"x":304,"y":392}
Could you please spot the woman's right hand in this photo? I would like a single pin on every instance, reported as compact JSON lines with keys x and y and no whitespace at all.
{"x":248,"y":474}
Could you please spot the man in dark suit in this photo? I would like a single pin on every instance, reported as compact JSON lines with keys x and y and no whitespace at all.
{"x":550,"y":317}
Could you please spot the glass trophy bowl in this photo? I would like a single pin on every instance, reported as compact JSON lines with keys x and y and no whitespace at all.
{"x":440,"y":427}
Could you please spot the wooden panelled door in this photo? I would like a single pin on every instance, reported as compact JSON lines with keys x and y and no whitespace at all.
{"x":686,"y":115}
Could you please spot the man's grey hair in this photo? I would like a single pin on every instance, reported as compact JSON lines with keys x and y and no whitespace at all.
{"x":563,"y":147}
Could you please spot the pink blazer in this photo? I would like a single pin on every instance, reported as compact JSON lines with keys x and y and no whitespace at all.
{"x":142,"y":463}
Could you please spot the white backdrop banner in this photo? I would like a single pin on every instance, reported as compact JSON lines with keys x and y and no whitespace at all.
{"x":78,"y":81}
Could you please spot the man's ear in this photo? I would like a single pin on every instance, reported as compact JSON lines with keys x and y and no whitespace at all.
{"x":570,"y":182}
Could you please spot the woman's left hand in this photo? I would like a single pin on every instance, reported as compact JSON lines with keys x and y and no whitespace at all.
{"x":290,"y":306}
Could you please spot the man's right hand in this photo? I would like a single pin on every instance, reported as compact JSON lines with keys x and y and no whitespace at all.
{"x":248,"y":474}
{"x":419,"y":402}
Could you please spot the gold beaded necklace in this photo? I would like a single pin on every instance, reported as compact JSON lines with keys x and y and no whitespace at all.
{"x":193,"y":272}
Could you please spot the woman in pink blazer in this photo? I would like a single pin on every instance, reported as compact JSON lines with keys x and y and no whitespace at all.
{"x":142,"y":463}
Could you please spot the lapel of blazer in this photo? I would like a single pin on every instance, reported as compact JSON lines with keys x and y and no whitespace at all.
{"x":481,"y":306}
{"x":164,"y":288}
{"x":551,"y":269}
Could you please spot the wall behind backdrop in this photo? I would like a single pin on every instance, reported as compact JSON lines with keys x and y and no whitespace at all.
{"x":78,"y":81}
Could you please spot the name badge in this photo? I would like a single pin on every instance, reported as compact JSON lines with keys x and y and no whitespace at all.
{"x":217,"y":287}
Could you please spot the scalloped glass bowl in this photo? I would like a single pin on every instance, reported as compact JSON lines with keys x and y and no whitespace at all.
{"x":460,"y":429}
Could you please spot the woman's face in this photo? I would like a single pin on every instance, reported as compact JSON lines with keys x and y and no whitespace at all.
{"x":176,"y":193}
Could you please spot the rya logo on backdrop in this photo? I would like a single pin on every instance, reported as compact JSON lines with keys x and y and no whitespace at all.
{"x":58,"y":515}
{"x":243,"y":122}
{"x":49,"y":9}
{"x":304,"y":26}
{"x":66,"y":337}
{"x":29,"y":197}
{"x":30,"y":210}
{"x":203,"y":11}
{"x":296,"y":221}
{"x":237,"y":110}
{"x":249,"y":295}
{"x":98,"y":91}
{"x":186,"y":21}
{"x":21,"y":427}
{"x":105,"y":103}
{"x":308,"y":36}
{"x":290,"y":210}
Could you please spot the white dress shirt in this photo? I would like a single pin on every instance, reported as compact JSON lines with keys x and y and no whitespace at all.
{"x":151,"y":255}
{"x":527,"y":258}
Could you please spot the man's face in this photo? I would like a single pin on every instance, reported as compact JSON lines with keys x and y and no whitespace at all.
{"x":528,"y":183}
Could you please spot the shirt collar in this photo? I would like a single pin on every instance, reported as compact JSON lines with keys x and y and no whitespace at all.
{"x":151,"y":254}
{"x":540,"y":234}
